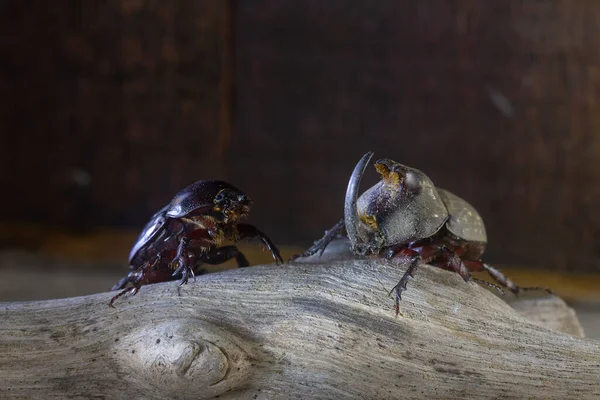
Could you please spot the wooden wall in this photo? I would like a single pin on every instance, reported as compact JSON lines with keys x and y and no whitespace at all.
{"x":112,"y":106}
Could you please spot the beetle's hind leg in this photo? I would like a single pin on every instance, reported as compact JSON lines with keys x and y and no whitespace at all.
{"x":502,"y":279}
{"x":451,"y":261}
{"x":131,"y":290}
{"x":498,"y":276}
{"x":134,"y":278}
{"x":489,"y":284}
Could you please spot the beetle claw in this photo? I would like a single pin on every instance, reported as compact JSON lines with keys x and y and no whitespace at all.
{"x":273,"y":249}
{"x":178,"y":270}
{"x":185,"y":273}
{"x":132,"y":291}
{"x":277,"y":256}
{"x":398,"y":298}
{"x":401,"y":285}
{"x":184,"y":279}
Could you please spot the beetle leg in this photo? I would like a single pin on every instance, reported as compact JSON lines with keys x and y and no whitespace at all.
{"x":136,"y":275}
{"x":453,"y":262}
{"x":456,"y":263}
{"x":415,"y":261}
{"x":495,"y":274}
{"x":423,"y":255}
{"x":320,"y":245}
{"x":135,"y":278}
{"x":501,"y":278}
{"x":225,"y":253}
{"x":249,"y":231}
{"x":132,"y":290}
{"x":121,"y":284}
{"x":185,"y":259}
{"x":489,"y":284}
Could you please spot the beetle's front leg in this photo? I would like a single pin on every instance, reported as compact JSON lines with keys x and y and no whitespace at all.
{"x":249,"y":231}
{"x":186,"y":260}
{"x":321,"y":244}
{"x":416,"y":256}
{"x":415,"y":260}
{"x":225,"y":253}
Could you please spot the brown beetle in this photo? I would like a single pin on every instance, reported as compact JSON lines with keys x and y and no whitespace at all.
{"x":189,"y":232}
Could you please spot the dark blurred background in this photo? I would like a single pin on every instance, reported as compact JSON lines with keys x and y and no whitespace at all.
{"x":110,"y":107}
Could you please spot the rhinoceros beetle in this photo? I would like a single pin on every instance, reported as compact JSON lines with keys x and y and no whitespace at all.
{"x":405,"y":217}
{"x":189,"y":232}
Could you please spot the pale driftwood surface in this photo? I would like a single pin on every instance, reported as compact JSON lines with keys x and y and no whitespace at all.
{"x":292,"y":331}
{"x":550,"y":312}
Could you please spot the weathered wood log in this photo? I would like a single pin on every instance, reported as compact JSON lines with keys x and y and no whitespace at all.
{"x":323,"y":330}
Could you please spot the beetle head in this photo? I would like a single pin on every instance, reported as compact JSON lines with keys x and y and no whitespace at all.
{"x":219,"y":199}
{"x":402,"y":207}
{"x":231,"y":204}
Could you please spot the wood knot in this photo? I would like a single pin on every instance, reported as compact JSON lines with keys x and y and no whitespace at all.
{"x":197,"y":357}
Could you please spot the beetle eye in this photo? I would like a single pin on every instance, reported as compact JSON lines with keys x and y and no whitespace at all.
{"x":219,"y":197}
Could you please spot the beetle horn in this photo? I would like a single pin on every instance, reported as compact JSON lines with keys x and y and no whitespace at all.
{"x":351,"y":219}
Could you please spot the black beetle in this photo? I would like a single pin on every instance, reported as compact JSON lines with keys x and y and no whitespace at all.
{"x":405,"y":217}
{"x":191,"y":231}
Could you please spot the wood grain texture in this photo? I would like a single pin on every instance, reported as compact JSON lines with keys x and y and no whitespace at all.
{"x":292,"y":331}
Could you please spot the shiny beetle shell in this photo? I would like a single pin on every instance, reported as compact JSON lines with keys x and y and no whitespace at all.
{"x":402,"y":207}
{"x":197,"y":198}
{"x":464,"y":221}
{"x":414,"y":212}
{"x":152,"y":228}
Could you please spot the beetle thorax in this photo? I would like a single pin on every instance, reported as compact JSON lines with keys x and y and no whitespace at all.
{"x":392,"y":215}
{"x":402,"y":207}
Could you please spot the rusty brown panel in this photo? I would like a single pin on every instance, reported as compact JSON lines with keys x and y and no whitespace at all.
{"x":496,"y":101}
{"x":109,"y":107}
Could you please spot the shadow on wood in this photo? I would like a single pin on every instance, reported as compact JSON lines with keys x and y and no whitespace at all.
{"x":294,"y":331}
